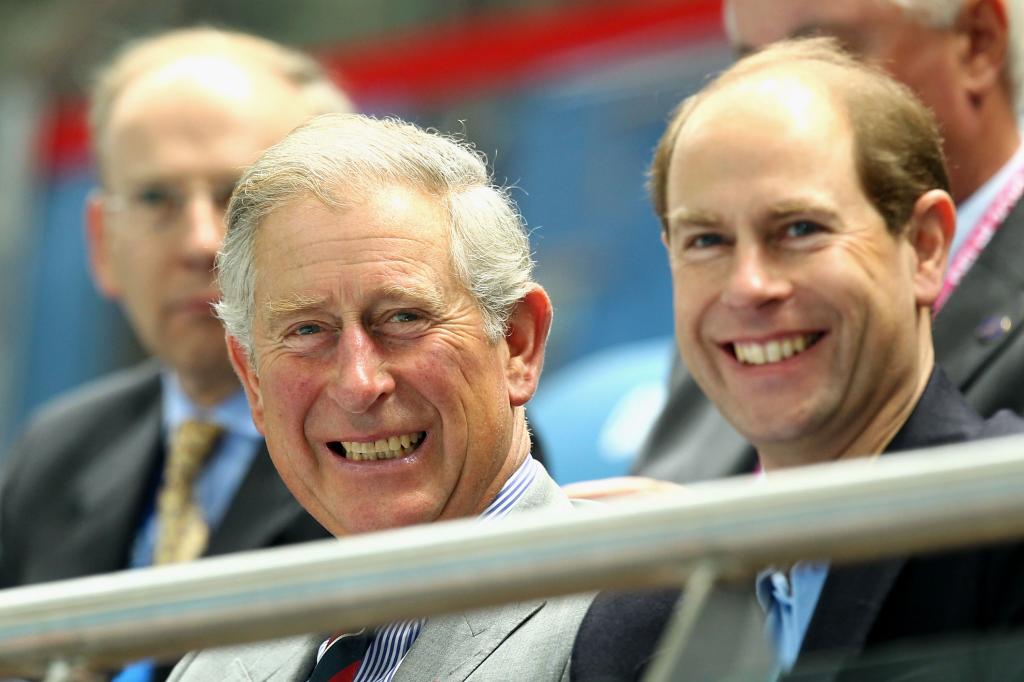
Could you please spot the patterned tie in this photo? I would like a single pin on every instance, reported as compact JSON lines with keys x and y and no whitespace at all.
{"x":182,"y":531}
{"x":340,"y":662}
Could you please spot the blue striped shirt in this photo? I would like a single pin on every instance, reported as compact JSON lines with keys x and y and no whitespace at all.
{"x":393,"y":641}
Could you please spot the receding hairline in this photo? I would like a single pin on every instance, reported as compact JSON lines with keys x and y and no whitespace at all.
{"x":250,"y":53}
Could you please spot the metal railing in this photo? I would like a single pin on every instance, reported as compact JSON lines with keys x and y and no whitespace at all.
{"x":722,"y":530}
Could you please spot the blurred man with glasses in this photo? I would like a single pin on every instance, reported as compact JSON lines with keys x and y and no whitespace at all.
{"x":161,"y":462}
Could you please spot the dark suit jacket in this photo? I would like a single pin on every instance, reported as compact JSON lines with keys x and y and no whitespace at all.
{"x":865,"y":608}
{"x":691,"y":441}
{"x":77,"y":483}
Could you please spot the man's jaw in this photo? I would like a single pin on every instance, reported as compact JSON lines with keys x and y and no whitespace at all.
{"x":778,"y":348}
{"x":391,"y":447}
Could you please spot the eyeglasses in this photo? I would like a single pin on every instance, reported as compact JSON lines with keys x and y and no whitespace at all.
{"x":160,"y":205}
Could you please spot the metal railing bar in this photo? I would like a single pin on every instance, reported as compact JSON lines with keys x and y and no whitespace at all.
{"x":848,"y":511}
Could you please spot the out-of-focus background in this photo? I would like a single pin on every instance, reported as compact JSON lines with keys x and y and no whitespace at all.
{"x":566,"y":98}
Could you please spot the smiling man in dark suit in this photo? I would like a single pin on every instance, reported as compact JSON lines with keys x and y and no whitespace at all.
{"x":806,"y":214}
{"x":965,"y":60}
{"x":161,"y":462}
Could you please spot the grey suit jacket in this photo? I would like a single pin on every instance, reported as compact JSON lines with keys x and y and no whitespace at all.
{"x":979,"y":342}
{"x":528,"y":640}
{"x":77,"y":483}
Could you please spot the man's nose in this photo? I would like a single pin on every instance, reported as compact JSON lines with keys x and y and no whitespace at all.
{"x":363,"y":379}
{"x":203,"y":219}
{"x":755,"y":279}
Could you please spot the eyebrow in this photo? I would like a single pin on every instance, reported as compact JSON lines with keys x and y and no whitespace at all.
{"x":685,"y":216}
{"x":429,"y":296}
{"x":276,"y":309}
{"x":787,"y":209}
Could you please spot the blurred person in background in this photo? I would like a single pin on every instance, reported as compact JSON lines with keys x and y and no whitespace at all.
{"x":381,"y":313}
{"x":161,"y":462}
{"x":806,"y":215}
{"x":964,"y":59}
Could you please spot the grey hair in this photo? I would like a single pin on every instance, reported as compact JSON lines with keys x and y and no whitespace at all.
{"x":943,"y":14}
{"x":340,"y":160}
{"x":320,"y":94}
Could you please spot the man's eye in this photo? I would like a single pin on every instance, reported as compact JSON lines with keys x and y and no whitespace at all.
{"x":705,"y":241}
{"x":154,"y":198}
{"x":405,"y":316}
{"x":308,"y":329}
{"x":802,"y":228}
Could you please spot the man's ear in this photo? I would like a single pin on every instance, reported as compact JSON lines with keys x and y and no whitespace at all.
{"x":250,"y":379}
{"x":930,"y":233}
{"x":984,"y":26}
{"x":99,"y":242}
{"x":526,"y":335}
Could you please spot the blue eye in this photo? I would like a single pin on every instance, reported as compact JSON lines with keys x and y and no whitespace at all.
{"x":308,"y":329}
{"x":405,"y":316}
{"x":706,"y":241}
{"x":802,"y":228}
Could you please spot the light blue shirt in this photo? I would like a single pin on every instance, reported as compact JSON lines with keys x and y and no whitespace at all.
{"x":789,"y":602}
{"x":223,"y":473}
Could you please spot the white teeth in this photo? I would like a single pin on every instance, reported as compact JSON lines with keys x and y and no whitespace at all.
{"x":390,"y":448}
{"x":752,"y":353}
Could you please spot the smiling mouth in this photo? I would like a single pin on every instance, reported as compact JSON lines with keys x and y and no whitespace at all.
{"x":776,"y":350}
{"x":385,"y":448}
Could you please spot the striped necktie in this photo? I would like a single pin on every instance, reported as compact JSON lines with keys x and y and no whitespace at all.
{"x":181,"y":530}
{"x":340,"y":662}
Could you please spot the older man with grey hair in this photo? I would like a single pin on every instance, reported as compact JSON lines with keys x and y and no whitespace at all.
{"x":964,"y":59}
{"x":381,"y":315}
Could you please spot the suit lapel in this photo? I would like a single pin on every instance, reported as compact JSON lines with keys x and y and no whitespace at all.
{"x":280,"y":660}
{"x":853,"y":596}
{"x":263,"y":496}
{"x":109,"y":497}
{"x":991,"y":288}
{"x":848,"y":607}
{"x":451,"y":647}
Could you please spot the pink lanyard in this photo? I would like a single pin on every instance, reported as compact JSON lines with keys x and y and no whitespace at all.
{"x":981,"y":235}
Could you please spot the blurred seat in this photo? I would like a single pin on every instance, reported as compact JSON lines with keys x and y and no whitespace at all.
{"x":594,"y":413}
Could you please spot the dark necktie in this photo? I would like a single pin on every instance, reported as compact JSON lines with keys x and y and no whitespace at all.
{"x":340,"y":662}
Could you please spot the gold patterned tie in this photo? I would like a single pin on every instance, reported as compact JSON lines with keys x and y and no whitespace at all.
{"x":181,"y":529}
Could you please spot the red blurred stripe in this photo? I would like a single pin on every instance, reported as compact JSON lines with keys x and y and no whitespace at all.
{"x":443,"y":62}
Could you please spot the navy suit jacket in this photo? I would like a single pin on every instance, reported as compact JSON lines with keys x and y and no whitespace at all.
{"x":951,"y":597}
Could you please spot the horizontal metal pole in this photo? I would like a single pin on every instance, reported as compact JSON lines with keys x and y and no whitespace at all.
{"x":845,"y":511}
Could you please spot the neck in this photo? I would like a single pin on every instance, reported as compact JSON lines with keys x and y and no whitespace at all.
{"x":207,"y":390}
{"x":865,"y":435}
{"x":978,"y":155}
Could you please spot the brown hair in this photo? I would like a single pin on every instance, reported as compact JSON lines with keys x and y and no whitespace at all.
{"x":897,"y":146}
